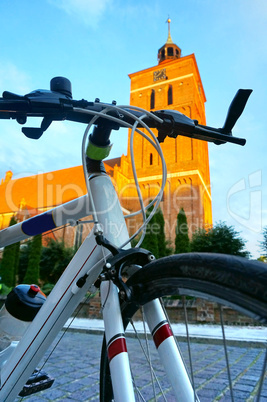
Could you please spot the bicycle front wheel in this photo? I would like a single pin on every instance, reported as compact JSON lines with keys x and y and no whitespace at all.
{"x":208,"y":287}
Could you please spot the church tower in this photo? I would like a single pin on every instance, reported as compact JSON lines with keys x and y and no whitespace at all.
{"x":174,"y":83}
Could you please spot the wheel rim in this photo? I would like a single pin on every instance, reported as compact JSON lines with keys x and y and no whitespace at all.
{"x":213,"y":371}
{"x":220,"y":370}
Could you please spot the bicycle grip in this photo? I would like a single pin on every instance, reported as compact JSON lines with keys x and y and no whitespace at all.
{"x":13,"y":108}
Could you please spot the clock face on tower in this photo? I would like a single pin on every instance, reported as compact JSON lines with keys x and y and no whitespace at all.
{"x":159,"y":75}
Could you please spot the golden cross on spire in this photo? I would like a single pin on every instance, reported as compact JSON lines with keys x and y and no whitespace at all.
{"x":169,"y":40}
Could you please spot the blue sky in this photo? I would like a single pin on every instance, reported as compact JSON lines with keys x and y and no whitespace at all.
{"x":97,"y":43}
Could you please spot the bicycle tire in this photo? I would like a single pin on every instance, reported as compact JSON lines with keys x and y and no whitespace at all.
{"x":234,"y":281}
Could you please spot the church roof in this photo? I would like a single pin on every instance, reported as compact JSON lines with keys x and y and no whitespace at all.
{"x":46,"y":190}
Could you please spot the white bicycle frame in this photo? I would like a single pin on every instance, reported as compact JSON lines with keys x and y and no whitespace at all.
{"x":66,"y":296}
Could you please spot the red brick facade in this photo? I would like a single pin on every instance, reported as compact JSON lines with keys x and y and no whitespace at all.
{"x":174,"y":83}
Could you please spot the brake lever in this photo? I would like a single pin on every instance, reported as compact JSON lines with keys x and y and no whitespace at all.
{"x":53,"y":104}
{"x":174,"y":123}
{"x":34,"y":132}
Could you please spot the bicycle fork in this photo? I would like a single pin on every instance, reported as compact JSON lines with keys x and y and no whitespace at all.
{"x":164,"y":341}
{"x":168,"y":351}
{"x":116,"y":344}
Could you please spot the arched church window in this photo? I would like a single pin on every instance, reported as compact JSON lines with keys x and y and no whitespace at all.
{"x":152,"y":99}
{"x":170,"y":101}
{"x":151,"y":159}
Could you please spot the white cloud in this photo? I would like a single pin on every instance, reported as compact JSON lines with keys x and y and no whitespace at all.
{"x":58,"y":148}
{"x":88,"y":11}
{"x":12,"y":79}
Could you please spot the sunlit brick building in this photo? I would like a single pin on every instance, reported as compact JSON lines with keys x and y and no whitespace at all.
{"x":174,"y":83}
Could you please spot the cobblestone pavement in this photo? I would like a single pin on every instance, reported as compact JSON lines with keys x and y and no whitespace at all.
{"x":75,"y":367}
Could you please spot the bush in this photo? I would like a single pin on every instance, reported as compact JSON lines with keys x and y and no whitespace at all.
{"x":4,"y":290}
{"x":55,"y":257}
{"x":264,"y":242}
{"x":34,"y":257}
{"x":182,"y":243}
{"x":10,"y":260}
{"x":47,"y":288}
{"x":219,"y":239}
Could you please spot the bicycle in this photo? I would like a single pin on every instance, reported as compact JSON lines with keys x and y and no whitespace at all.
{"x":129,"y":278}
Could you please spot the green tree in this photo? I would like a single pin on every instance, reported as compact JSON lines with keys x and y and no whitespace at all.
{"x":55,"y":258}
{"x":33,"y":267}
{"x":219,"y":239}
{"x":163,"y":245}
{"x":150,"y":241}
{"x":264,"y":242}
{"x":182,"y":242}
{"x":23,"y":260}
{"x":155,"y":239}
{"x":16,"y":265}
{"x":10,"y":260}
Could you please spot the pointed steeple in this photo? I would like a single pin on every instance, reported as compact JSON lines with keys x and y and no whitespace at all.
{"x":169,"y":39}
{"x":169,"y":51}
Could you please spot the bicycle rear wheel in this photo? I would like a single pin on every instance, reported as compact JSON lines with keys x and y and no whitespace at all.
{"x":219,"y":370}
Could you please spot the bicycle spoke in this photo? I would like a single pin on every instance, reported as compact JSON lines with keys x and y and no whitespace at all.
{"x":148,"y":354}
{"x":219,"y":367}
{"x":226,"y":354}
{"x":147,"y":359}
{"x":189,"y":348}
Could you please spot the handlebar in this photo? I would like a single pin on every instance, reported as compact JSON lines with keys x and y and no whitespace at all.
{"x":57,"y":104}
